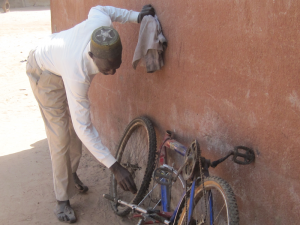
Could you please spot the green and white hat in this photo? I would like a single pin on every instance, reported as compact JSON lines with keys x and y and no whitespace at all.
{"x":106,"y":43}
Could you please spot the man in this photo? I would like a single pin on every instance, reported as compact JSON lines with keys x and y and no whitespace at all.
{"x":60,"y":71}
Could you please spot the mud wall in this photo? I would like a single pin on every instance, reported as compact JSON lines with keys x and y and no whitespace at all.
{"x":231,"y":77}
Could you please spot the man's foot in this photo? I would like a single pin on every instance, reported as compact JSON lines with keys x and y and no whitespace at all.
{"x":64,"y":212}
{"x":79,"y":185}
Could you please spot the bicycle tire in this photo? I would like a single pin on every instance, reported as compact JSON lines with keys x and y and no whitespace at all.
{"x":137,"y":145}
{"x":226,"y":192}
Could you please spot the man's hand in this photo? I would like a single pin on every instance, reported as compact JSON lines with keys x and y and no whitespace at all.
{"x":123,"y":178}
{"x":146,"y":10}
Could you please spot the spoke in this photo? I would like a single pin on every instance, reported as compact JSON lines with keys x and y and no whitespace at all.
{"x":157,"y":204}
{"x":207,"y":205}
{"x":202,"y":217}
{"x":148,"y":194}
{"x":220,"y":212}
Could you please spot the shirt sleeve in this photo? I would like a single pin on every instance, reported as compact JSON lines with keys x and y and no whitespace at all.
{"x":77,"y":95}
{"x":115,"y":14}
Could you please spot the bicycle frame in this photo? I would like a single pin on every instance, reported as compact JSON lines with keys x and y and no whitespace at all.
{"x":170,"y":143}
{"x":164,"y":215}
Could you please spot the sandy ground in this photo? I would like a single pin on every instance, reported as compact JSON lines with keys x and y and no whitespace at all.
{"x":26,"y":190}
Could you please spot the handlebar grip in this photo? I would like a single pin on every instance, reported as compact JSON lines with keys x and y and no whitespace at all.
{"x":109,"y":197}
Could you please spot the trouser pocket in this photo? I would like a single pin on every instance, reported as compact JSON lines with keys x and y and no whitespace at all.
{"x":33,"y":71}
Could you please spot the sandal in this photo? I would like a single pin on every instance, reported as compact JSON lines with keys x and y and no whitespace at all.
{"x":65,"y":213}
{"x":79,"y":185}
{"x":81,"y":188}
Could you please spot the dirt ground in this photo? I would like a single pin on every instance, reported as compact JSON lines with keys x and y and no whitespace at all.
{"x":26,"y":190}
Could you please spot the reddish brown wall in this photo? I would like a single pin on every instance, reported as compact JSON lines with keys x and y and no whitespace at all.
{"x":231,"y":78}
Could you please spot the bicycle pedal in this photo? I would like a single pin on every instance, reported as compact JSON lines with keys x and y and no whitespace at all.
{"x":163,"y":176}
{"x":243,"y":155}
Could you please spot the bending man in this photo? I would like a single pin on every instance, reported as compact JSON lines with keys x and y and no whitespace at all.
{"x":60,"y":71}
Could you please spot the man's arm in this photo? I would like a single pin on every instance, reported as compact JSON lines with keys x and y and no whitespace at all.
{"x":121,"y":15}
{"x":115,"y":14}
{"x":80,"y":113}
{"x":77,"y":93}
{"x":79,"y":104}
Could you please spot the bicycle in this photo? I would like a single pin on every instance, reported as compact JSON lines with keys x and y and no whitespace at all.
{"x":206,"y":199}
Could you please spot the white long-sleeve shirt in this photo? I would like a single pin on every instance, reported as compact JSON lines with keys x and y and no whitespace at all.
{"x":66,"y":54}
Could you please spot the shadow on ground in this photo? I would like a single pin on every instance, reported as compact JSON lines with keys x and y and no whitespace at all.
{"x":29,"y":174}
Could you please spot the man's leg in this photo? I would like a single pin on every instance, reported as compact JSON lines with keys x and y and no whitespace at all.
{"x":50,"y":94}
{"x":75,"y":148}
{"x":75,"y":155}
{"x":51,"y":97}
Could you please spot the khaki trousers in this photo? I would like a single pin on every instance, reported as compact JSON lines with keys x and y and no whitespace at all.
{"x":65,"y":146}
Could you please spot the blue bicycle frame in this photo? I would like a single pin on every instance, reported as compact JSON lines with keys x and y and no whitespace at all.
{"x":172,"y":144}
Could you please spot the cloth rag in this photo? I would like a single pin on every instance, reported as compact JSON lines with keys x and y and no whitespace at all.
{"x":151,"y":45}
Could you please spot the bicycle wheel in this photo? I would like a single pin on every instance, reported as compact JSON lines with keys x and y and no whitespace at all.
{"x":137,"y":153}
{"x":216,"y":207}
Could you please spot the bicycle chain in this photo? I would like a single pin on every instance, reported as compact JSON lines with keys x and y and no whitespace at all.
{"x":202,"y":180}
{"x":204,"y":191}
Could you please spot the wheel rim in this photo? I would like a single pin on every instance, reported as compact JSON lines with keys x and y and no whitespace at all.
{"x":133,"y":155}
{"x":219,"y":205}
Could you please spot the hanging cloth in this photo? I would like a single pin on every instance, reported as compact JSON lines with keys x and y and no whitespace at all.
{"x":151,"y":45}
